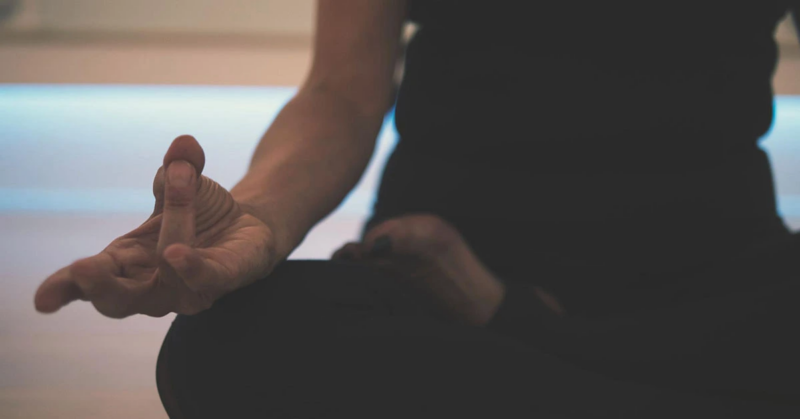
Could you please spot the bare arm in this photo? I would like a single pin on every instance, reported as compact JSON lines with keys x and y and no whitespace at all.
{"x":317,"y":148}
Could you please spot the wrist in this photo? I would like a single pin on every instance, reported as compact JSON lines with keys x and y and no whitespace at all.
{"x":283,"y":242}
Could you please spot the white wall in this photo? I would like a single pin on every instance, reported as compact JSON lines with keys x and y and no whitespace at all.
{"x":283,"y":17}
{"x":252,"y":17}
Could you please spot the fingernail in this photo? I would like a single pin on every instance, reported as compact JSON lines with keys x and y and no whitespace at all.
{"x":381,"y":247}
{"x":179,"y":173}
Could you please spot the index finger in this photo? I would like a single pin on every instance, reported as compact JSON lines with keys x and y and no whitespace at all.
{"x":57,"y":291}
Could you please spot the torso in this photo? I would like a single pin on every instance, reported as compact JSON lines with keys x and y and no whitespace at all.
{"x":604,"y":133}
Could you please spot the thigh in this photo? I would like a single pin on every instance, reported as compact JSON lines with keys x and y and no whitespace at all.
{"x":322,"y":339}
{"x":737,"y":337}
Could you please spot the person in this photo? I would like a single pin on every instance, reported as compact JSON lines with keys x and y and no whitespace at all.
{"x":577,"y":222}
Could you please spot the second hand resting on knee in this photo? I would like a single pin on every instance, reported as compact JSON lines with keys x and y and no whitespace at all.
{"x":430,"y":256}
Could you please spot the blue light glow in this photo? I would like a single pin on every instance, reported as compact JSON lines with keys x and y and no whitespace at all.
{"x":95,"y":148}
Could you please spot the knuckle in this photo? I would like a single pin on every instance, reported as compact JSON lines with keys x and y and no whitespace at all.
{"x":83,"y":273}
{"x":82,"y":267}
{"x":436,"y":233}
{"x":393,"y":228}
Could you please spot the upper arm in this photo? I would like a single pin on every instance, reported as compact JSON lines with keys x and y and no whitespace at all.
{"x":795,"y":11}
{"x":355,"y":51}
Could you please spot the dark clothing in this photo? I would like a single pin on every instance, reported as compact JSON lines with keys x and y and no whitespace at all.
{"x":554,"y":74}
{"x":607,"y":235}
{"x":325,"y":339}
{"x":619,"y":135}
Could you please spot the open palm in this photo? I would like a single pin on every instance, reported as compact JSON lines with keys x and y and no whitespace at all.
{"x":198,"y":245}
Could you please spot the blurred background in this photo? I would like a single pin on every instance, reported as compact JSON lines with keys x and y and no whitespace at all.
{"x":92,"y":92}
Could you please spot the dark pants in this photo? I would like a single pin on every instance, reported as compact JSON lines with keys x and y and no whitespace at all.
{"x":319,"y":339}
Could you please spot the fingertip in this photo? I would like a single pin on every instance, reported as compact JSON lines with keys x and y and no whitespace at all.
{"x":179,"y":256}
{"x":177,"y":251}
{"x":47,"y":307}
{"x":186,"y":147}
{"x":43,"y":304}
{"x":50,"y":299}
{"x":47,"y":298}
{"x":350,"y":251}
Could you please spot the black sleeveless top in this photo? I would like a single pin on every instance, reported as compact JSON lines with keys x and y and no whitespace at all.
{"x":620,"y":136}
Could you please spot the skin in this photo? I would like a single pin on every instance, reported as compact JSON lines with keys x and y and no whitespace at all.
{"x":197,"y":245}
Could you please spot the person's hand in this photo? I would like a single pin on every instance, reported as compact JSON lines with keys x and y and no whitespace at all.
{"x":198,"y":245}
{"x":428,"y":254}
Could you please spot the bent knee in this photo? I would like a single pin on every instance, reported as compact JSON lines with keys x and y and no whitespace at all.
{"x":302,"y":287}
{"x":297,"y":296}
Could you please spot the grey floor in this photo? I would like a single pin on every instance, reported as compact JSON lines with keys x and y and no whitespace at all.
{"x":75,"y":171}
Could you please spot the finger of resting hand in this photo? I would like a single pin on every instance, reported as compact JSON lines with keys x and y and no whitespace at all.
{"x":57,"y":291}
{"x":178,"y":222}
{"x":350,"y":250}
{"x":414,"y":234}
{"x":397,"y":229}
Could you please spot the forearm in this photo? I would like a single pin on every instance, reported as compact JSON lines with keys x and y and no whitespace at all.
{"x":309,"y":159}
